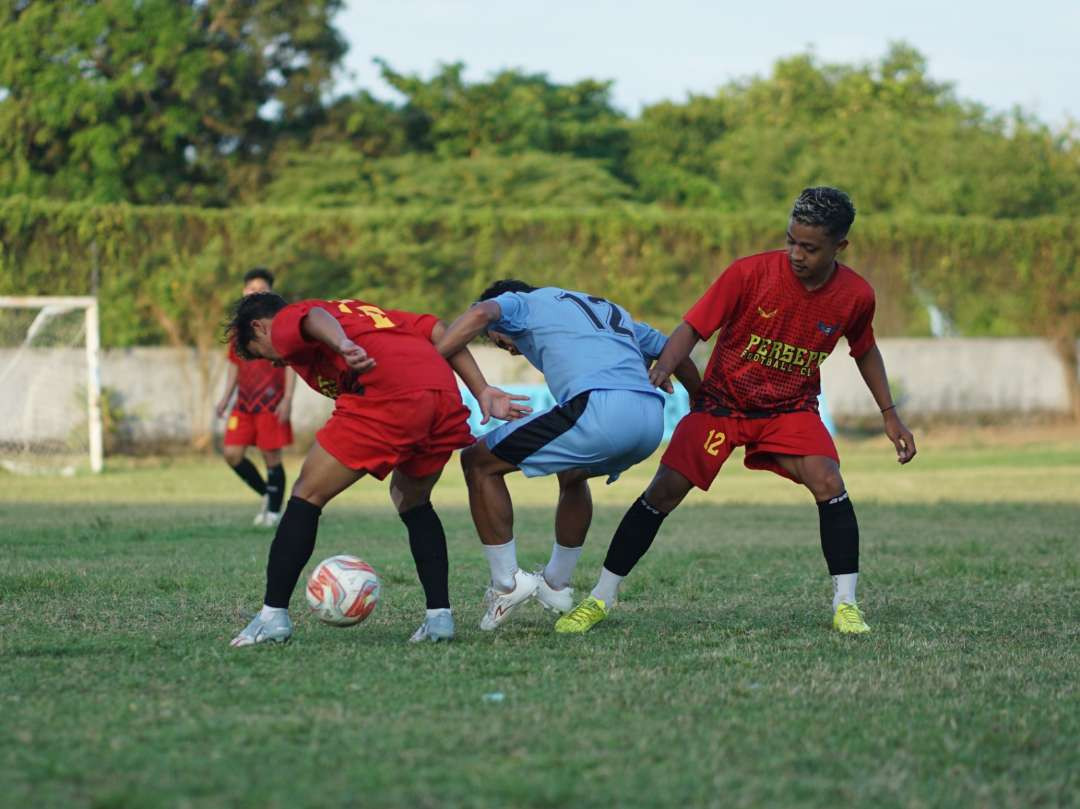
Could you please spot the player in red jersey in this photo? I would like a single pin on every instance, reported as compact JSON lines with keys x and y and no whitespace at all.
{"x":397,"y":412}
{"x":260,"y":417}
{"x":779,"y":315}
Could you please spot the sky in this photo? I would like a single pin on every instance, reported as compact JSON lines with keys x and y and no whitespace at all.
{"x":998,"y":53}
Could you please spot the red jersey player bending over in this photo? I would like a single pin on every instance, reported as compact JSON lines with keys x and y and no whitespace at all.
{"x":260,"y":416}
{"x":397,"y":412}
{"x":779,"y":315}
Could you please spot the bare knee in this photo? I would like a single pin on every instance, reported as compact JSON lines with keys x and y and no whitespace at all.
{"x":667,"y":489}
{"x":823,"y":480}
{"x":233,"y":455}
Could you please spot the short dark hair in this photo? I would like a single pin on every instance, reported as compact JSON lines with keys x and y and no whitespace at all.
{"x":505,"y":285}
{"x":244,"y":312}
{"x":825,"y":207}
{"x":259,"y":272}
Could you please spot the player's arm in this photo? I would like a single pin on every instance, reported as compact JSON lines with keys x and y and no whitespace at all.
{"x":493,"y":401}
{"x":872,"y":367}
{"x":321,"y":326}
{"x":676,"y":355}
{"x":688,"y":375}
{"x":474,"y":322}
{"x":230,"y":388}
{"x":284,"y":408}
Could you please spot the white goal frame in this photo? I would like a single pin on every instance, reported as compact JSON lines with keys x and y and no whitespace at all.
{"x":93,"y":362}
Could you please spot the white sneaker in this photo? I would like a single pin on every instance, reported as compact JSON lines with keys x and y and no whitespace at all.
{"x":277,"y":629}
{"x":260,"y":518}
{"x":560,"y":601}
{"x":271,"y":519}
{"x":435,"y":628}
{"x":500,"y":605}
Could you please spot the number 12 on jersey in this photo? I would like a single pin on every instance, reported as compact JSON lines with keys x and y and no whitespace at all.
{"x":614,"y":321}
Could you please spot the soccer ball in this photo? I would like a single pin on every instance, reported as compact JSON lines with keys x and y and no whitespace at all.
{"x":343,"y":590}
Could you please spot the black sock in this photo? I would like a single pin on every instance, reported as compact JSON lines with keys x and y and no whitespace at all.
{"x":289,"y":552}
{"x":250,"y":475}
{"x":839,"y":535}
{"x":275,"y":487}
{"x":427,"y":541}
{"x":633,"y":537}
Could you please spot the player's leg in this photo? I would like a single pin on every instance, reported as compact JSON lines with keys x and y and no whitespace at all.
{"x":839,"y":532}
{"x":573,"y":516}
{"x":700,"y":445}
{"x":427,"y":542}
{"x":234,"y":452}
{"x":633,"y":537}
{"x":275,"y":486}
{"x":799,"y":447}
{"x":493,"y":514}
{"x":322,"y":477}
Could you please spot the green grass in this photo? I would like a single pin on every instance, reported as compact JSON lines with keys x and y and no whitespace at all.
{"x":715,"y":683}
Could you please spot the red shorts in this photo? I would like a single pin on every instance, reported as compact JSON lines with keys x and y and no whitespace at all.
{"x":262,"y":430}
{"x":702,"y":442}
{"x":416,"y":436}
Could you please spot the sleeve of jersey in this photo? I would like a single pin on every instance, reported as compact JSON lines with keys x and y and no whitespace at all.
{"x":860,"y":335}
{"x":285,"y":332}
{"x":422,"y":325}
{"x":514,"y":317}
{"x":718,"y":304}
{"x":649,"y":340}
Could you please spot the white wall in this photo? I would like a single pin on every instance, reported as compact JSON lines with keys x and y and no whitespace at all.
{"x":160,"y":388}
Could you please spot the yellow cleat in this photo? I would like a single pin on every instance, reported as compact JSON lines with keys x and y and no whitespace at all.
{"x":848,"y":620}
{"x":583,"y":617}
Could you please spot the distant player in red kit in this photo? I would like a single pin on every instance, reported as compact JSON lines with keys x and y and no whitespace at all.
{"x":397,"y":412}
{"x":260,"y":417}
{"x":778,"y":316}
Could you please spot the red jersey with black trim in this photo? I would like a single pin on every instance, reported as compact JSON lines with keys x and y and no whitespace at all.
{"x":774,"y":334}
{"x":260,"y":385}
{"x":399,"y":342}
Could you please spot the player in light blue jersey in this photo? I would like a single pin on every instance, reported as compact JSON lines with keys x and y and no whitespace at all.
{"x":595,"y":359}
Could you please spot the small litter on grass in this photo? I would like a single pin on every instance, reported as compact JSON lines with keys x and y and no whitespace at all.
{"x":494,"y":696}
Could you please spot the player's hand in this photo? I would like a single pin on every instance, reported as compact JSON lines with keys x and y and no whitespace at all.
{"x":219,"y":408}
{"x":901,"y":437}
{"x":355,"y":357}
{"x":497,"y":403}
{"x":661,"y":378}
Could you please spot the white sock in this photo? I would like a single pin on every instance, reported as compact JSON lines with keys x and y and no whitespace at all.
{"x":561,"y":566}
{"x":607,"y":589}
{"x":438,"y":611}
{"x":502,"y":559}
{"x":266,"y":613}
{"x":844,"y":589}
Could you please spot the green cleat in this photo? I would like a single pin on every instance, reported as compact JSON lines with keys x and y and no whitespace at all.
{"x":583,"y":617}
{"x":848,"y":620}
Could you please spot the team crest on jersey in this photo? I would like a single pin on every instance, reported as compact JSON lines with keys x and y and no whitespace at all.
{"x":765,"y":314}
{"x":825,"y":327}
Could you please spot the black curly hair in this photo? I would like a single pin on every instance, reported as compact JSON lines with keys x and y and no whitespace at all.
{"x":243,"y":312}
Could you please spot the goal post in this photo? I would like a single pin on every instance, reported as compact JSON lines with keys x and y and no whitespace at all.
{"x":41,"y":431}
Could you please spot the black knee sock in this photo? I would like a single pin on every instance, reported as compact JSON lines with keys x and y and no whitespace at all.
{"x":427,"y":541}
{"x":633,"y":537}
{"x":250,"y":475}
{"x":275,"y":487}
{"x":839,"y":535}
{"x":290,"y":550}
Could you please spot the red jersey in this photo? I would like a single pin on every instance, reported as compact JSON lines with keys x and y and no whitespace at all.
{"x":260,"y":385}
{"x":399,"y":342}
{"x":774,"y":334}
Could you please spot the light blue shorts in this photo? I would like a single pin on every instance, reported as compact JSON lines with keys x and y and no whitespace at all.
{"x":602,"y":431}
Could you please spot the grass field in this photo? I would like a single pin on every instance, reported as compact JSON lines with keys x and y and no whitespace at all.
{"x":715,"y":683}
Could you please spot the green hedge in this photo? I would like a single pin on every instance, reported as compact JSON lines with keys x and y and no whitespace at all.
{"x":167,"y":273}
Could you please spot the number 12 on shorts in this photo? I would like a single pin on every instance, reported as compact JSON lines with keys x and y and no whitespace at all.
{"x":714,"y":441}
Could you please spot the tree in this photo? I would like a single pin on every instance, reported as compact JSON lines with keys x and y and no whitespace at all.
{"x":155,"y":100}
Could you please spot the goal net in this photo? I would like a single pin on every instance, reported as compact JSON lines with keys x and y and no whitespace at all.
{"x":50,"y":393}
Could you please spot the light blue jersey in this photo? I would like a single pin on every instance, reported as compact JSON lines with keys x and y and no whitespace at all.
{"x":579,"y":342}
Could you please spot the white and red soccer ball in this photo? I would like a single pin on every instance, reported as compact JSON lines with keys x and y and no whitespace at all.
{"x":342,"y":590}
